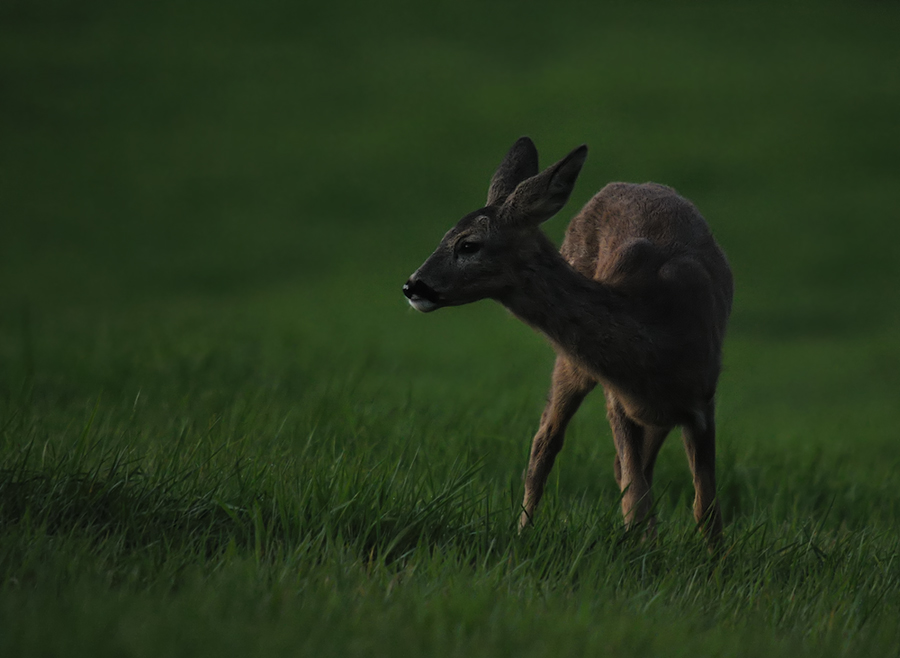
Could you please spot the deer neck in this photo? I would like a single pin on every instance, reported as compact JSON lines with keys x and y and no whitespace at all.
{"x":588,"y":321}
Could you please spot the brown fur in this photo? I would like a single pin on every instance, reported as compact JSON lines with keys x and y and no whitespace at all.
{"x":637,"y":300}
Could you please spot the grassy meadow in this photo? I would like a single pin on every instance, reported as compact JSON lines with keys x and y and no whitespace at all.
{"x":223,"y":431}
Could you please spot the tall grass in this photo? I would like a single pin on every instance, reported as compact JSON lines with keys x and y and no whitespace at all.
{"x":199,"y":519}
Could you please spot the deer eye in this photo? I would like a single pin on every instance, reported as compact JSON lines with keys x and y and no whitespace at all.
{"x":469,"y":247}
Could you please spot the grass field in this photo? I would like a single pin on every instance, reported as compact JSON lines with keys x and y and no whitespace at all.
{"x":223,"y":432}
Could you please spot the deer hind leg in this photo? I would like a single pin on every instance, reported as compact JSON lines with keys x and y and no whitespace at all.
{"x":569,"y":387}
{"x":636,"y":450}
{"x":654,"y":437}
{"x":700,"y":445}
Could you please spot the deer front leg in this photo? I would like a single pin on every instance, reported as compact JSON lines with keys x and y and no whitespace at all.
{"x":700,"y":445}
{"x":569,"y":387}
{"x":630,"y":467}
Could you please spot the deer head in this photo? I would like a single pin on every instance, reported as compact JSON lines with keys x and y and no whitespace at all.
{"x":479,"y":257}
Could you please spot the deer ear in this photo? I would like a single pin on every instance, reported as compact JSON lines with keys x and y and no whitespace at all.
{"x":538,"y":198}
{"x":521,"y":162}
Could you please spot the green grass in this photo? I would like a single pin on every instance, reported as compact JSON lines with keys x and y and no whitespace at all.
{"x":222,"y":431}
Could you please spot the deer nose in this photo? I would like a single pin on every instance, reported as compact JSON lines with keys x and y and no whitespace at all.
{"x":418,"y":288}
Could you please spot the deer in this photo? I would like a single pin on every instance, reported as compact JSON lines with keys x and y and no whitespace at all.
{"x":636,"y":299}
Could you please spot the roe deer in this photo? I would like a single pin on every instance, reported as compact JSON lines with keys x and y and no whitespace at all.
{"x":636,"y":299}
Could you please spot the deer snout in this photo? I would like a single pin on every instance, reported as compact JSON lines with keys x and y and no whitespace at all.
{"x":421,"y":296}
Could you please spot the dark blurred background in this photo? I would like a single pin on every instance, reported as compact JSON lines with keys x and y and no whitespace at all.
{"x":299,"y":160}
{"x":159,"y":148}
